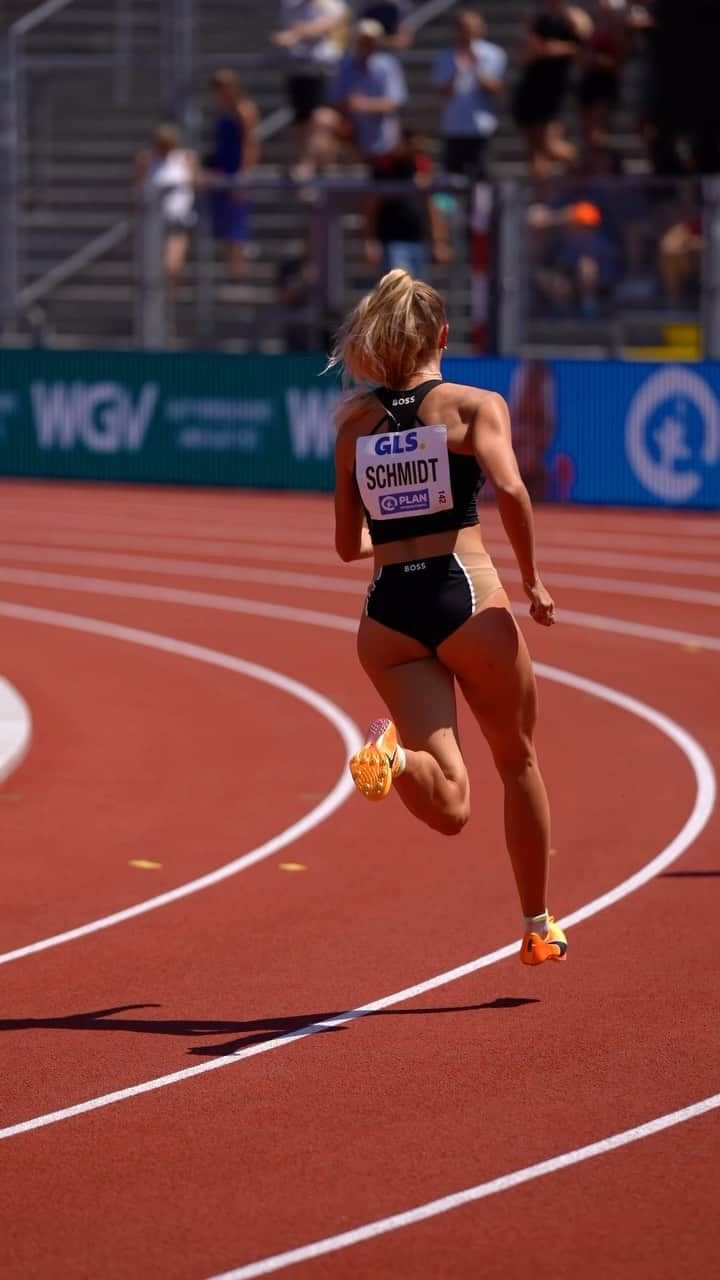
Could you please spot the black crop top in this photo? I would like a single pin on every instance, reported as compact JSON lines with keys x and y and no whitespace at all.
{"x":466,"y":478}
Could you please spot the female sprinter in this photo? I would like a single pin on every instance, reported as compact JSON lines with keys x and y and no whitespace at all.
{"x":436,"y":612}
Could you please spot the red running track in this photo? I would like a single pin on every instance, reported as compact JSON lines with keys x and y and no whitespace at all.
{"x":140,"y":753}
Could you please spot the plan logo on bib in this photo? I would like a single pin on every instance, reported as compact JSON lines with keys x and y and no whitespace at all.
{"x":672,"y":434}
{"x":405,"y":503}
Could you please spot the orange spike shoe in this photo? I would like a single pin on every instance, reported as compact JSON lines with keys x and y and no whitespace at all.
{"x":536,"y":949}
{"x":377,"y":762}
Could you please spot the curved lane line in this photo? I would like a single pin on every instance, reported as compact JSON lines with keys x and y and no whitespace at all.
{"x":335,"y":583}
{"x":264,"y":550}
{"x":348,"y":731}
{"x":381,"y":1226}
{"x":702,"y":809}
{"x":667,"y":544}
{"x":290,"y":613}
{"x":15,"y":728}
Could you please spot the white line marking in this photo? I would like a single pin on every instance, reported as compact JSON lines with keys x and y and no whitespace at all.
{"x":15,"y":728}
{"x":339,"y":583}
{"x":468,"y":579}
{"x":296,"y":553}
{"x":313,"y":617}
{"x":348,"y":731}
{"x":343,"y":585}
{"x":331,"y":1244}
{"x":702,"y":809}
{"x":641,"y":537}
{"x":642,"y":630}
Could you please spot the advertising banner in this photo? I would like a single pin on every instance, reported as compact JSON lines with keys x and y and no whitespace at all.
{"x":584,"y":431}
{"x":187,"y":419}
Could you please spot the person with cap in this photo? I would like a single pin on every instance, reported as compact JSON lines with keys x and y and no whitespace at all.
{"x":370,"y":89}
{"x":580,"y":266}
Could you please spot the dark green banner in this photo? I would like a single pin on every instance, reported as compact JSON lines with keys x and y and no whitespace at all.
{"x":263,"y":421}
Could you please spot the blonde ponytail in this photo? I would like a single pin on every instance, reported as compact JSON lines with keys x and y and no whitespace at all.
{"x":387,"y":337}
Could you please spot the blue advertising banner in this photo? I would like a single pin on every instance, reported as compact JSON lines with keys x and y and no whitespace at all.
{"x":584,"y":431}
{"x":610,"y":431}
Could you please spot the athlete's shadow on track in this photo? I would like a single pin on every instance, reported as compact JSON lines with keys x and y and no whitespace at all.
{"x":254,"y":1031}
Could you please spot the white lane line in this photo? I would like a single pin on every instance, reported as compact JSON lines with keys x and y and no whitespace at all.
{"x":553,"y":525}
{"x":349,"y":733}
{"x":338,"y":622}
{"x":408,"y":1218}
{"x":635,"y":587}
{"x":291,"y":551}
{"x":265,"y":551}
{"x":638,"y":541}
{"x":15,"y":728}
{"x":112,"y":560}
{"x":641,"y":630}
{"x":337,"y":583}
{"x":700,"y":815}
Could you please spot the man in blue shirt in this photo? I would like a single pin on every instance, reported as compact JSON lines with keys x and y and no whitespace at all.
{"x":370,"y":88}
{"x":469,"y":77}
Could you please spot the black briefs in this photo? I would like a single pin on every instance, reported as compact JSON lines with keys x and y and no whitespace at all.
{"x":429,"y":599}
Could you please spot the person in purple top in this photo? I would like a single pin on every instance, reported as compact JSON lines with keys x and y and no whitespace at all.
{"x":235,"y":151}
{"x":370,"y":89}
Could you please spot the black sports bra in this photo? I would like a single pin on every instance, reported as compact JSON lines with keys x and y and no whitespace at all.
{"x":466,"y":478}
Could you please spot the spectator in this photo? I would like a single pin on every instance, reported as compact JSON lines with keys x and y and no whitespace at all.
{"x":312,"y":34}
{"x":402,"y":225}
{"x":370,"y":89}
{"x":580,"y":268}
{"x":235,"y":153}
{"x":616,"y":31}
{"x":167,"y":171}
{"x":598,"y":88}
{"x":469,"y":76}
{"x":554,"y":38}
{"x":391,"y":15}
{"x":681,"y":255}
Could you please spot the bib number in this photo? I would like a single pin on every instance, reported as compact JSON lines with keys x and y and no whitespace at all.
{"x":404,"y":473}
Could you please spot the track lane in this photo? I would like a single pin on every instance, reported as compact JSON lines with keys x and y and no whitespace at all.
{"x":219,"y":1114}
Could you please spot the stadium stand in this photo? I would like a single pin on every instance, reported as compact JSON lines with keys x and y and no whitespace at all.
{"x":99,"y":76}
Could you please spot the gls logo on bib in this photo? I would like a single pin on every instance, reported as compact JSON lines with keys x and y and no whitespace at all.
{"x":404,"y":473}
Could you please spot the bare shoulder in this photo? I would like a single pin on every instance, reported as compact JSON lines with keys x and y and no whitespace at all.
{"x":472,"y":403}
{"x":350,"y":425}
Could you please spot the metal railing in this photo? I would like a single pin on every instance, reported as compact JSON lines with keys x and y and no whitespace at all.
{"x":611,"y":267}
{"x":607,"y":261}
{"x":180,"y":60}
{"x":16,"y":61}
{"x":325,"y":217}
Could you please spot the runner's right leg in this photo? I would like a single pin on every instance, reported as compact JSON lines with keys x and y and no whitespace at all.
{"x":420,"y":696}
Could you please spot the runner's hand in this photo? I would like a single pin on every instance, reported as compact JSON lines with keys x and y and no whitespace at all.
{"x":542,"y":607}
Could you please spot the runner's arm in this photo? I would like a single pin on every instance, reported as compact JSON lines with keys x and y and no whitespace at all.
{"x":492,"y":444}
{"x":352,"y":539}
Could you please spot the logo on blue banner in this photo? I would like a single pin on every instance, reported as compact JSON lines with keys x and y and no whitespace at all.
{"x":672,"y":433}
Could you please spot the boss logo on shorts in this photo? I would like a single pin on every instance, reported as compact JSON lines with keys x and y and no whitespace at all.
{"x":415,"y":566}
{"x":398,"y":504}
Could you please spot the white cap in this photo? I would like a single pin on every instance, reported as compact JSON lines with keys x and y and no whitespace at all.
{"x":370,"y":28}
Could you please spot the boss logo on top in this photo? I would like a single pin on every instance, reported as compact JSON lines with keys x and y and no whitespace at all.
{"x":404,"y":473}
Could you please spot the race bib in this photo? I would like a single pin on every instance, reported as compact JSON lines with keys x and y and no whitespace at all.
{"x":404,"y":473}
